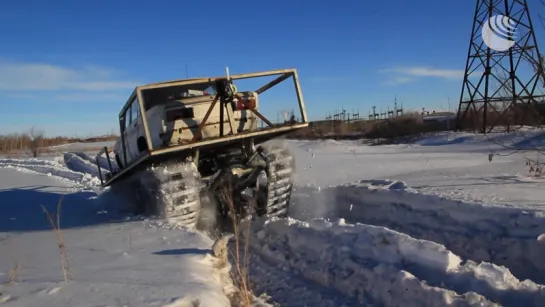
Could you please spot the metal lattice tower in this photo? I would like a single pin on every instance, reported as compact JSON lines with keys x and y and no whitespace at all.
{"x":498,"y":81}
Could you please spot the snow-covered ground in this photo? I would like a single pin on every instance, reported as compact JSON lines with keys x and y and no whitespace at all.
{"x":115,"y":260}
{"x":428,"y":223}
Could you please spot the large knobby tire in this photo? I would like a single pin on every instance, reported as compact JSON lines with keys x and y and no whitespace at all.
{"x":171,"y":192}
{"x":275,"y":193}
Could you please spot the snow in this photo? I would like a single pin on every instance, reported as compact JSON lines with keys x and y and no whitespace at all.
{"x":440,"y":189}
{"x":115,"y":260}
{"x":52,"y":169}
{"x":426,"y":222}
{"x":370,"y":263}
{"x":54,"y":151}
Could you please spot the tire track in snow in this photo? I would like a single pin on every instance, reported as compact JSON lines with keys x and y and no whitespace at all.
{"x":504,"y":236}
{"x":374,"y":266}
{"x":289,"y":288}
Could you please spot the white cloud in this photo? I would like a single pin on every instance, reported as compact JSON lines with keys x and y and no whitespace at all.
{"x":47,"y":77}
{"x":399,"y":80}
{"x":406,"y":74}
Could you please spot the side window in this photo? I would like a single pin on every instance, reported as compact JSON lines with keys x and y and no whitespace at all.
{"x":135,"y":110}
{"x":126,"y":119}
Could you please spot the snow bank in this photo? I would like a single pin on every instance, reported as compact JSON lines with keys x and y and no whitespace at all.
{"x":54,"y":169}
{"x":102,"y":160}
{"x":76,"y":163}
{"x":377,"y":265}
{"x":73,"y":167}
{"x":473,"y":231}
{"x":522,"y":139}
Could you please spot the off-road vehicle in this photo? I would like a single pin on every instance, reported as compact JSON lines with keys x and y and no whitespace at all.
{"x":183,"y":144}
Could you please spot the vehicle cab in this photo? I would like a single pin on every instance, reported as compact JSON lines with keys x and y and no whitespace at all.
{"x":173,"y":116}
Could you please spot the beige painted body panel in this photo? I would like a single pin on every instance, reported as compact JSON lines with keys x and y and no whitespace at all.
{"x":183,"y":130}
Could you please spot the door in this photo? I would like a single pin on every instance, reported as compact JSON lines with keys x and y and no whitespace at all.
{"x":126,"y":155}
{"x":131,"y":133}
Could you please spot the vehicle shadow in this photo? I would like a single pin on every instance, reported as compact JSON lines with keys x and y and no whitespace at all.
{"x":183,"y":251}
{"x":21,"y":209}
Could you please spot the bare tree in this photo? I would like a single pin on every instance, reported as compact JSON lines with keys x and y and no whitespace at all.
{"x":35,"y":143}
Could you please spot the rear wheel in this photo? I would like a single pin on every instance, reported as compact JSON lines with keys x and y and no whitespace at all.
{"x":276,"y":183}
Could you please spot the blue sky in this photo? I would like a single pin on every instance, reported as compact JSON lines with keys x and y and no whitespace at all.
{"x":68,"y":66}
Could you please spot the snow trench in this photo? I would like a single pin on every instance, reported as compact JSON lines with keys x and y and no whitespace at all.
{"x":68,"y":173}
{"x":74,"y":167}
{"x":379,"y":266}
{"x":78,"y":164}
{"x":504,"y":236}
{"x":102,"y":161}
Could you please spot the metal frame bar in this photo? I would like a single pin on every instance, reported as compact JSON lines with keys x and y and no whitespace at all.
{"x":127,"y":104}
{"x":104,"y":150}
{"x":204,"y":80}
{"x":272,"y":83}
{"x":285,"y":74}
{"x":262,"y":117}
{"x":228,"y":138}
{"x":204,"y":120}
{"x":144,"y":120}
{"x":230,"y":118}
{"x":128,"y":168}
{"x":299,"y":94}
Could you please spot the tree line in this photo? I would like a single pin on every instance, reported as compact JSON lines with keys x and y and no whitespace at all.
{"x":34,"y":141}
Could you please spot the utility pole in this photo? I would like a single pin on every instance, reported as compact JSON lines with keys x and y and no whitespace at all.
{"x":495,"y":84}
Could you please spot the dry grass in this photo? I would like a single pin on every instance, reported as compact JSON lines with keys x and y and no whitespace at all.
{"x":13,"y":273}
{"x":240,"y":275}
{"x":35,"y":142}
{"x":67,"y":272}
{"x":535,"y":166}
{"x":413,"y":125}
{"x":407,"y":124}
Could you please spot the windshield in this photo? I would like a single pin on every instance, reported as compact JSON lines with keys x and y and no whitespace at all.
{"x":157,"y":96}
